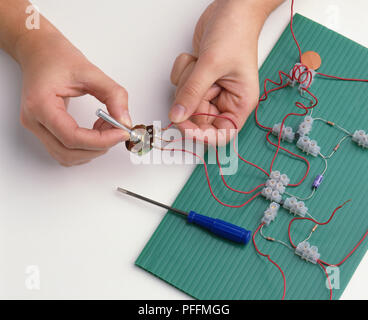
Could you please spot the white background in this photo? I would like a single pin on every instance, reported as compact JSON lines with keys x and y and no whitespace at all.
{"x":84,"y":237}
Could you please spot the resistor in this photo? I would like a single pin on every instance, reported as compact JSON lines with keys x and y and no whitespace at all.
{"x":332,"y":124}
{"x":336,"y":148}
{"x":315,"y":228}
{"x":270,"y":239}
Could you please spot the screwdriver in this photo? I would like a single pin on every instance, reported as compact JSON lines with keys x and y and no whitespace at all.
{"x":106,"y":117}
{"x":216,"y":226}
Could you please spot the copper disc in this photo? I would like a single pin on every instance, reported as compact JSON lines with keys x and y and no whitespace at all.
{"x":311,"y":59}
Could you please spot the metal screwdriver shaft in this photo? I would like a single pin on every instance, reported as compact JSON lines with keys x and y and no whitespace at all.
{"x":219,"y":227}
{"x":106,"y":117}
{"x":103,"y":115}
{"x":132,"y":194}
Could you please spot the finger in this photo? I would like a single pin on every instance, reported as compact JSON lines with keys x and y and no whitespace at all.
{"x":101,"y":125}
{"x":205,"y":132}
{"x":237,"y":107}
{"x":200,"y":126}
{"x":185,"y":74}
{"x":221,"y":129}
{"x":212,"y":92}
{"x":65,"y":156}
{"x":204,"y":106}
{"x":207,"y":107}
{"x":180,"y":64}
{"x":110,"y":93}
{"x":66,"y":130}
{"x":189,"y":96}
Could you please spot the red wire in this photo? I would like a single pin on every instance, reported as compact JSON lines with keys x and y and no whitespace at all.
{"x":264,"y":97}
{"x":218,"y":164}
{"x":301,"y":106}
{"x":281,"y":86}
{"x":295,"y":155}
{"x":224,"y":181}
{"x":320,"y":262}
{"x":246,"y":161}
{"x":349,"y":254}
{"x":236,"y":127}
{"x":209,"y":182}
{"x":292,"y":30}
{"x":269,"y":259}
{"x":279,"y":138}
{"x":324,"y":223}
{"x":298,"y":104}
{"x":298,"y":77}
{"x":328,"y":278}
{"x":316,"y":222}
{"x":341,"y":78}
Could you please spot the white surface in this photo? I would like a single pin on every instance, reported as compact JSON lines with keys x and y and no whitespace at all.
{"x":69,"y":222}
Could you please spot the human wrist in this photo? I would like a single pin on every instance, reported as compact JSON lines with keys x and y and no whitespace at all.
{"x":32,"y":43}
{"x":252,"y":12}
{"x":260,"y":9}
{"x":263,"y":7}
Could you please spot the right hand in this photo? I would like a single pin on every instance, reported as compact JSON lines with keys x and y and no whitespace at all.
{"x":53,"y":71}
{"x":220,"y":77}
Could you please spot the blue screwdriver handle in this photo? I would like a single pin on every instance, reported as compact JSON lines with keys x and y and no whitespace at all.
{"x":221,"y":228}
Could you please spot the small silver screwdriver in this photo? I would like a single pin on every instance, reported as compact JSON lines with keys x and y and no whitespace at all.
{"x":105,"y":116}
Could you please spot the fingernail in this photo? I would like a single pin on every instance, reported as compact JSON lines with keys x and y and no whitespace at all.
{"x":177,"y":113}
{"x":125,"y":119}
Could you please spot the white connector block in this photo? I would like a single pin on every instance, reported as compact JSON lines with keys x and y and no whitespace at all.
{"x":271,"y":183}
{"x":267,"y":193}
{"x":275,"y":175}
{"x":287,"y":133}
{"x":271,"y":213}
{"x":295,"y":207}
{"x":304,"y":129}
{"x":307,"y":252}
{"x":276,"y":196}
{"x":308,"y":146}
{"x":280,"y":188}
{"x":275,"y":186}
{"x":301,"y":209}
{"x":306,"y":126}
{"x":290,"y":203}
{"x":283,"y":178}
{"x":361,"y":138}
{"x":272,"y":195}
{"x":308,"y":120}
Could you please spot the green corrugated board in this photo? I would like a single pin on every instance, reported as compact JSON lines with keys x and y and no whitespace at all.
{"x":206,"y":267}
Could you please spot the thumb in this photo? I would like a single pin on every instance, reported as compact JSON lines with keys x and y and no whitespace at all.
{"x":110,"y":93}
{"x":190,"y":95}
